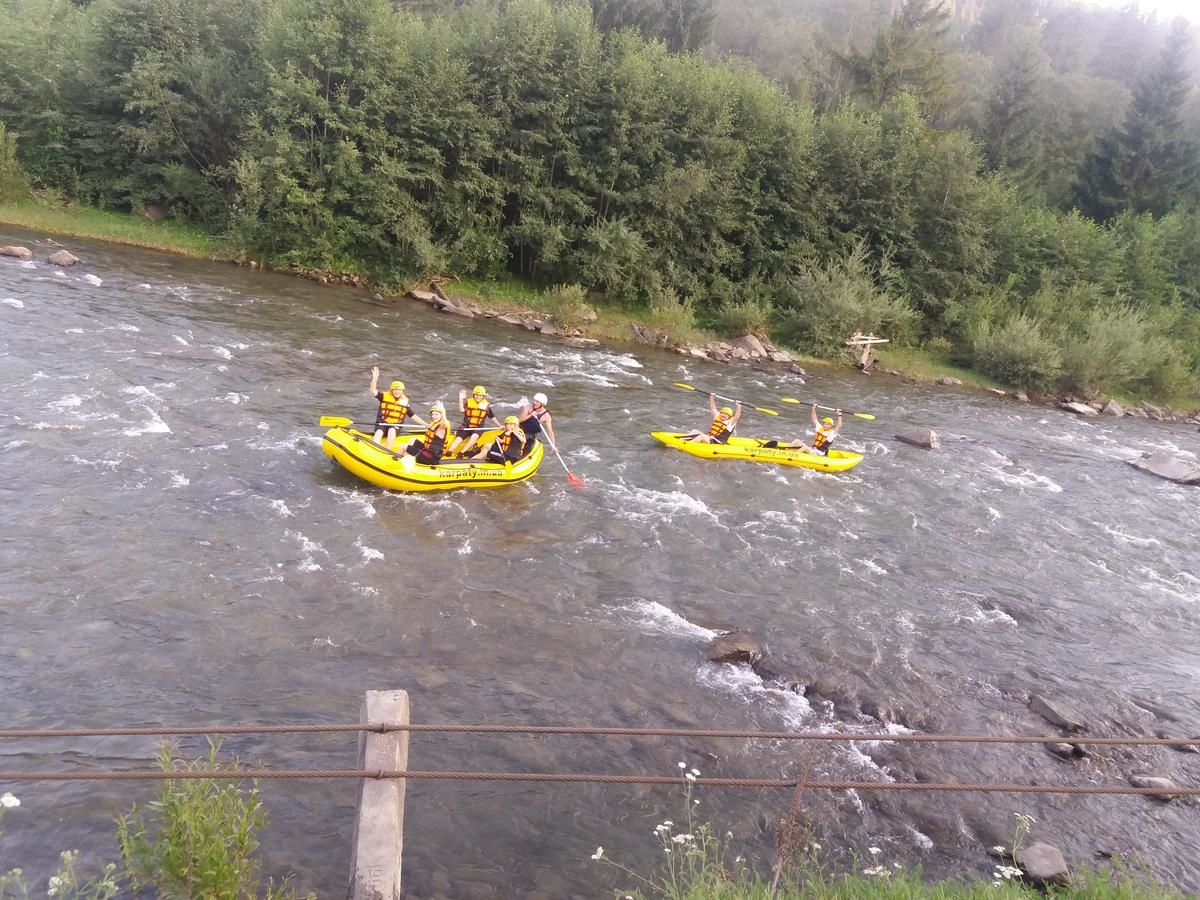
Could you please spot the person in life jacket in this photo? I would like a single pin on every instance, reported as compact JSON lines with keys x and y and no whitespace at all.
{"x":428,"y":447}
{"x":394,"y":408}
{"x":508,"y":446}
{"x":476,"y":410}
{"x":725,"y":422}
{"x":535,"y":420}
{"x":826,"y":433}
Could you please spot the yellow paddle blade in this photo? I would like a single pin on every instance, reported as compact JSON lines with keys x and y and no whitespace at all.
{"x":686,"y":387}
{"x":769,"y":412}
{"x":790,"y":400}
{"x":335,"y":422}
{"x":867,"y":416}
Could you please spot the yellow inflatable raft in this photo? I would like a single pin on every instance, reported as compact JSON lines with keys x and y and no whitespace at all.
{"x":358,"y":454}
{"x":752,"y":449}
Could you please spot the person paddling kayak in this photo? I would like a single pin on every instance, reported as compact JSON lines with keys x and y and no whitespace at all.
{"x":826,"y":433}
{"x":508,"y":446}
{"x":535,"y":419}
{"x":476,"y":410}
{"x":725,"y":422}
{"x":428,"y":447}
{"x":394,"y":408}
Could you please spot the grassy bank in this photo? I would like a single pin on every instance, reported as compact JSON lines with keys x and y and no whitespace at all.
{"x":114,"y":227}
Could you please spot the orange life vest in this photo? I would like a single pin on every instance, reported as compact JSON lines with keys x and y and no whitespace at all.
{"x":474,"y":412}
{"x":821,"y":441}
{"x":433,"y":442}
{"x":391,"y":410}
{"x":505,"y":442}
{"x":720,"y":427}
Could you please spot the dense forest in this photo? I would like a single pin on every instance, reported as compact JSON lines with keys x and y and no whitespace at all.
{"x":1012,"y":184}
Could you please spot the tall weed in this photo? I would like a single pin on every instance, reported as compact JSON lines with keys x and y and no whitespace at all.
{"x":13,"y":183}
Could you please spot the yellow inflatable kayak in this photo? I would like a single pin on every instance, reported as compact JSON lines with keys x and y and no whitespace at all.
{"x":753,"y":450}
{"x":358,"y":454}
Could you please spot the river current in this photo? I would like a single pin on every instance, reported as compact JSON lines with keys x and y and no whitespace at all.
{"x":176,"y":549}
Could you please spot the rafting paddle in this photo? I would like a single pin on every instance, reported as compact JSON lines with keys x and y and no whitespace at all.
{"x":572,"y":479}
{"x":341,"y":422}
{"x":867,"y":416}
{"x":688,"y":387}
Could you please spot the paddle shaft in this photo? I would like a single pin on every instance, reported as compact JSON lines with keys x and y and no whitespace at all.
{"x":745,"y":403}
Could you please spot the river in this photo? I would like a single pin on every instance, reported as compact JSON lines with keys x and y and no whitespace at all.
{"x":177,"y":549}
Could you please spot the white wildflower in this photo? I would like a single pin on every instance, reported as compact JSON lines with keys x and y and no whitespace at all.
{"x":599,"y":853}
{"x":55,"y":884}
{"x":8,"y":801}
{"x":1000,"y":848}
{"x":996,"y":884}
{"x":667,"y":823}
{"x":739,"y":859}
{"x":897,"y":865}
{"x":682,"y":764}
{"x":696,"y":772}
{"x":666,"y":849}
{"x":680,"y":838}
{"x":729,"y":835}
{"x":875,"y":870}
{"x":874,"y":851}
{"x":695,"y":803}
{"x":689,"y":776}
{"x":816,"y":846}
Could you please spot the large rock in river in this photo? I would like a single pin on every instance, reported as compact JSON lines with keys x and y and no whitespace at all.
{"x":1165,"y":786}
{"x":1056,"y":713}
{"x":1043,"y":864}
{"x":1112,"y":408}
{"x":1163,"y":465}
{"x":62,"y":258}
{"x":1081,"y":409}
{"x":17,"y":252}
{"x":735,"y":647}
{"x":920,"y":437}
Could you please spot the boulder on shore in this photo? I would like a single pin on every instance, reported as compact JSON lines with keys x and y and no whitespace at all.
{"x":779,"y":356}
{"x":1056,"y":713}
{"x":949,"y":381}
{"x":1165,"y":786}
{"x":750,"y":344}
{"x":1022,"y":396}
{"x":1112,"y":408}
{"x":1043,"y":864}
{"x":423,"y":296}
{"x":62,"y":258}
{"x":511,"y":320}
{"x":549,"y":329}
{"x":1081,"y":409}
{"x":1162,"y":464}
{"x":920,"y":437}
{"x":1152,"y":411}
{"x":734,"y":647}
{"x":17,"y":252}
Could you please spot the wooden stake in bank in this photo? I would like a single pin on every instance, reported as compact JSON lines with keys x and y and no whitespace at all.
{"x":379,"y":826}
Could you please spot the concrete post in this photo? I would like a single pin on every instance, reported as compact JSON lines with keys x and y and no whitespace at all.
{"x":379,"y":826}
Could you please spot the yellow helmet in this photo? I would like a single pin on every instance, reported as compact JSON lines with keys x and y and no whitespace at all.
{"x":727,"y":410}
{"x":397,"y":386}
{"x":438,"y":407}
{"x":511,"y":420}
{"x":827,"y":420}
{"x":480,"y":389}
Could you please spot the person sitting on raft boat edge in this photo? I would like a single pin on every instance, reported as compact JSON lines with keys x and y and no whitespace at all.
{"x":394,"y":408}
{"x":428,"y":447}
{"x":725,"y":422}
{"x":826,"y":433}
{"x":476,"y":410}
{"x":536,"y":421}
{"x":508,"y":446}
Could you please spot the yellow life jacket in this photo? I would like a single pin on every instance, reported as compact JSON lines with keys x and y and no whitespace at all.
{"x":433,"y":442}
{"x":822,"y":440}
{"x":474,"y":412}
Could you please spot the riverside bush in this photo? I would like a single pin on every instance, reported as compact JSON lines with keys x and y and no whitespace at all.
{"x":13,"y":183}
{"x":1019,"y":353}
{"x":673,"y":316}
{"x":567,"y":305}
{"x":1119,"y":349}
{"x":823,"y":304}
{"x":737,"y":317}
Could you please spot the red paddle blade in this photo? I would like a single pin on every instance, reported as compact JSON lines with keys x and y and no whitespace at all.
{"x":575,"y":480}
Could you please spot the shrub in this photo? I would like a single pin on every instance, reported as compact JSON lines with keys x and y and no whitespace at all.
{"x":13,"y":183}
{"x":940,"y":347}
{"x":199,"y":838}
{"x":822,"y":305}
{"x":750,"y":316}
{"x":1019,"y":353}
{"x":672,"y":315}
{"x":1121,"y":349}
{"x":567,"y":304}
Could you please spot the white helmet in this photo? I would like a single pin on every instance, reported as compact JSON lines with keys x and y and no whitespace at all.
{"x":541,"y":398}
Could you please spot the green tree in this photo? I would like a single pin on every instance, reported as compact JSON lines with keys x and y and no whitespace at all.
{"x":1150,"y":164}
{"x":684,"y":25}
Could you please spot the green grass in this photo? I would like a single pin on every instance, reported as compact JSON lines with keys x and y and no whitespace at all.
{"x":921,"y":365}
{"x":115,"y":227}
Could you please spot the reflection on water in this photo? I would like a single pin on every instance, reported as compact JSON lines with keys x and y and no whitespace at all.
{"x":176,"y":548}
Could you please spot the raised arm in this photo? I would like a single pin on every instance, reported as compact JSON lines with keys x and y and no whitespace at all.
{"x":837,"y":428}
{"x":462,"y":400}
{"x":712,"y":404}
{"x":548,"y":428}
{"x":374,"y":381}
{"x":816,"y":423}
{"x":737,"y":414}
